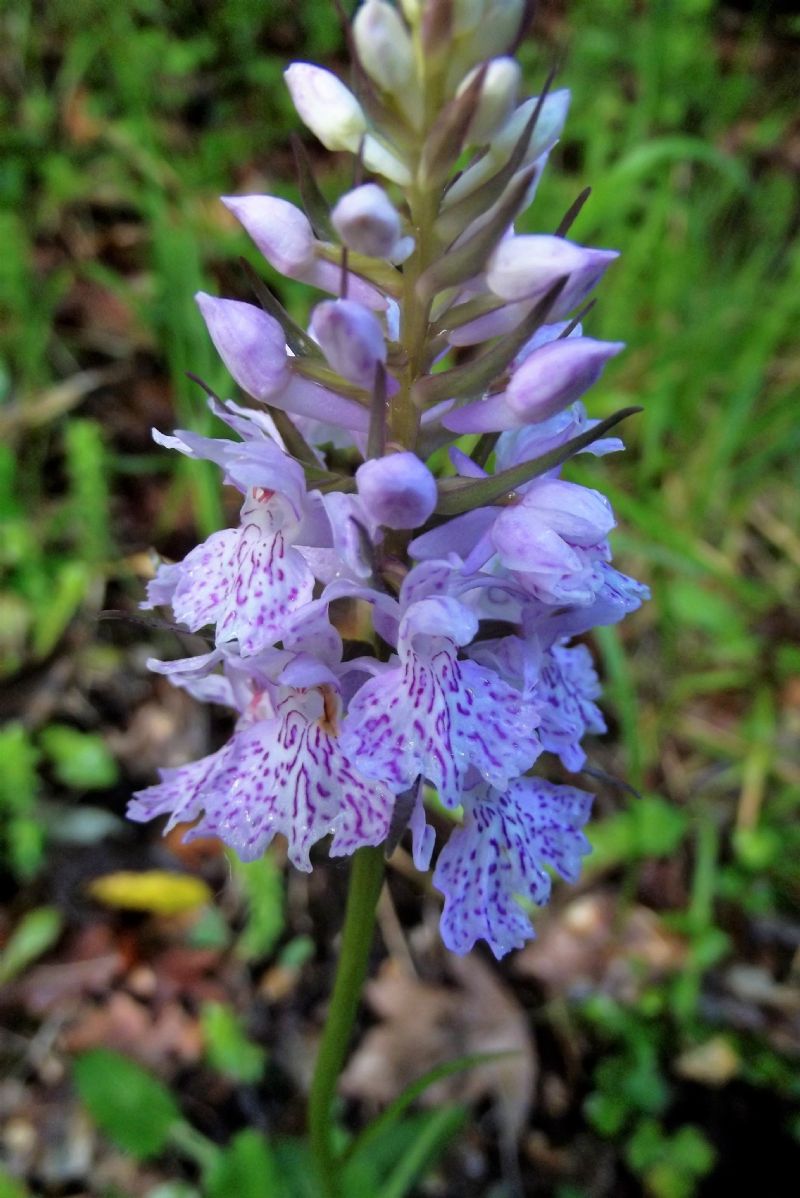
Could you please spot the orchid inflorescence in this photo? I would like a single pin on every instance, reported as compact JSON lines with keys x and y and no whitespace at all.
{"x":402,"y":459}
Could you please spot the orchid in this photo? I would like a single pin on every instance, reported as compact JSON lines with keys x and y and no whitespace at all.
{"x":466,"y":680}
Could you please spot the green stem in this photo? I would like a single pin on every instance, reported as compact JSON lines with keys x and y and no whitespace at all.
{"x":366,"y":880}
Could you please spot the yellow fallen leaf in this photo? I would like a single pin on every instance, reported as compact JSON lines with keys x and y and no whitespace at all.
{"x":156,"y":890}
{"x":712,"y":1063}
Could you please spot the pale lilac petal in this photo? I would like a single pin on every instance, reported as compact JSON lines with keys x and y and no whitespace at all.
{"x":491,"y":414}
{"x":464,"y":465}
{"x":248,"y":581}
{"x":303,"y":397}
{"x":161,"y":589}
{"x":556,"y":374}
{"x":437,"y":616}
{"x":526,"y":267}
{"x":535,"y":440}
{"x":326,"y":106}
{"x":458,"y":535}
{"x":284,"y":236}
{"x":429,"y":578}
{"x":423,"y":836}
{"x":612,"y":596}
{"x":193,"y":674}
{"x":500,"y":855}
{"x":581,"y":515}
{"x":281,"y":231}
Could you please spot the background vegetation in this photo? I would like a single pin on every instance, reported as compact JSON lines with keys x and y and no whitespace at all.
{"x":656,"y":1021}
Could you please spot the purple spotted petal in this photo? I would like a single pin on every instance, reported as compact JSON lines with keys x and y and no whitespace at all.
{"x":568,"y":686}
{"x":500,"y":855}
{"x":436,"y":716}
{"x":286,"y":776}
{"x":613,"y":596}
{"x":247,"y":580}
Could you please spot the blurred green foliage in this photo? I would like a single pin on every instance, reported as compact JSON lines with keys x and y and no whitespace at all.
{"x":140,"y":116}
{"x":139,"y":1113}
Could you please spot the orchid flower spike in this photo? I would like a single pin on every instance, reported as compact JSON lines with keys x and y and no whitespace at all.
{"x":395,"y":611}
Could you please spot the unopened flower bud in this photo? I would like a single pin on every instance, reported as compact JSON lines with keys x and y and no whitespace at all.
{"x":526,"y":267}
{"x":334,"y":115}
{"x":251,"y":344}
{"x":326,"y":106}
{"x":500,"y":26}
{"x":351,"y":339}
{"x":280,"y":230}
{"x":497,"y":98}
{"x":285,"y":238}
{"x":549,"y":379}
{"x":482,"y":30}
{"x":384,"y":46}
{"x":367,"y":221}
{"x":549,"y":124}
{"x":399,"y":491}
{"x":557,"y":374}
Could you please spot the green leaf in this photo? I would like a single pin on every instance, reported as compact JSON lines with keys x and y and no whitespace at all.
{"x":297,"y":1169}
{"x":21,"y":831}
{"x":262,"y":881}
{"x":444,"y":141}
{"x":606,"y":1112}
{"x":439,"y":1127}
{"x":80,"y":760}
{"x":227,"y":1048}
{"x":131,"y":1106}
{"x":245,"y":1169}
{"x":650,"y":827}
{"x":458,"y":495}
{"x":174,"y":1189}
{"x":314,"y":202}
{"x":364,"y":1143}
{"x":10,"y":1187}
{"x":35,"y":933}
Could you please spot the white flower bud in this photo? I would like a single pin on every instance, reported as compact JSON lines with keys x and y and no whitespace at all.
{"x":384,"y":46}
{"x":549,"y":124}
{"x":525,"y":267}
{"x":497,"y":98}
{"x":326,"y":106}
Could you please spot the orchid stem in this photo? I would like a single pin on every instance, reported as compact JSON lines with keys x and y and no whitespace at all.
{"x":366,"y":879}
